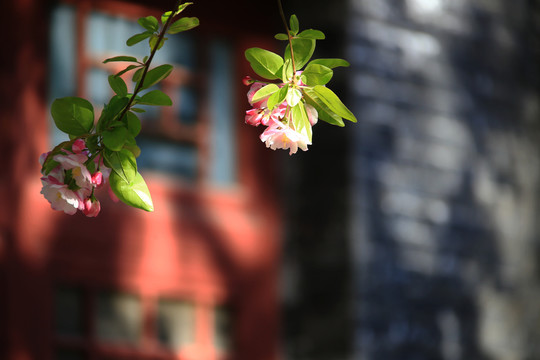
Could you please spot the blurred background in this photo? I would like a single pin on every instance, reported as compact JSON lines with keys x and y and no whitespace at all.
{"x":410,"y":235}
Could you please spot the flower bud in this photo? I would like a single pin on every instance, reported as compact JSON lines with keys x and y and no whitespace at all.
{"x":92,"y":207}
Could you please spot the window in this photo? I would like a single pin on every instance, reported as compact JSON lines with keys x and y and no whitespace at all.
{"x":175,"y":323}
{"x":195,"y":138}
{"x":106,"y":324}
{"x":118,"y":318}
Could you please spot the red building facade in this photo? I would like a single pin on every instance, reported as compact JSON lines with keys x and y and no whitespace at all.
{"x":196,"y":279}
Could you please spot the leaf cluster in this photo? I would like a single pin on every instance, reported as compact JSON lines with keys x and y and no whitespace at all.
{"x":113,"y":135}
{"x":304,"y":80}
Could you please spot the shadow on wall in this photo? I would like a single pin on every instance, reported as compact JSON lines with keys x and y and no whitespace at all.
{"x":446,"y":180}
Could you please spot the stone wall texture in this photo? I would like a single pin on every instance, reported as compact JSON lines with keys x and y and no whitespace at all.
{"x":445,"y":179}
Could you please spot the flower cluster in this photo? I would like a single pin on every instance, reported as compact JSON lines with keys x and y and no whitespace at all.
{"x":280,"y":132}
{"x":70,"y":185}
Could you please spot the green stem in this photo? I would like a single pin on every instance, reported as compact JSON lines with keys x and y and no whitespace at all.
{"x":148,"y":61}
{"x":288,"y":34}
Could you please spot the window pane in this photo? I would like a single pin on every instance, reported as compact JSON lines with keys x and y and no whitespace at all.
{"x":171,"y":157}
{"x":118,"y":318}
{"x":68,"y":312}
{"x":223,"y":169}
{"x":222,"y":328}
{"x":70,"y":354}
{"x":176,"y":323}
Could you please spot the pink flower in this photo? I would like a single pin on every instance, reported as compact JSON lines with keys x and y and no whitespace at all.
{"x":281,"y":136}
{"x":248,"y":80}
{"x":97,"y":178}
{"x":257,"y":116}
{"x":92,"y":207}
{"x":75,"y":163}
{"x":61,"y":197}
{"x":78,"y":146}
{"x":252,"y":90}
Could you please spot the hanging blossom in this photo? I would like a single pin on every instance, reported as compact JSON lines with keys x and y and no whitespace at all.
{"x":70,"y":185}
{"x":280,"y":132}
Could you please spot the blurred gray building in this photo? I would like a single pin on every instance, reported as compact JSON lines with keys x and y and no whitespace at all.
{"x":413,"y":235}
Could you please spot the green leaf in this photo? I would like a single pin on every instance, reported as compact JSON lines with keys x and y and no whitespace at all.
{"x":115,"y":138}
{"x":265,"y":63}
{"x":294,"y":25}
{"x":311,"y":34}
{"x":293,"y":97}
{"x":330,"y":99}
{"x":324,"y":112}
{"x":49,"y":164}
{"x":111,"y":111}
{"x":303,"y":50}
{"x":181,"y":7}
{"x":287,"y":71}
{"x":281,"y":36}
{"x":264,"y":92}
{"x":134,"y":193}
{"x":130,"y":67}
{"x":183,"y":24}
{"x":118,"y":85}
{"x":120,"y":58}
{"x":92,"y":143}
{"x":137,"y":38}
{"x":122,"y":163}
{"x":301,"y":121}
{"x":315,"y":74}
{"x":156,"y":75}
{"x":137,"y":75}
{"x":73,"y":115}
{"x":133,"y":123}
{"x":137,"y":110}
{"x":277,"y":98}
{"x":153,"y":42}
{"x":331,"y":63}
{"x":150,"y":23}
{"x":156,"y":98}
{"x":165,"y":17}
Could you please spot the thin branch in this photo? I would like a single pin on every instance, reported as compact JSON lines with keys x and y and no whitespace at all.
{"x":148,"y":61}
{"x":288,"y":34}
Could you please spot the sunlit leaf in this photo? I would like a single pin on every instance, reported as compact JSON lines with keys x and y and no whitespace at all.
{"x":294,"y":25}
{"x":265,"y":63}
{"x":150,"y":23}
{"x":281,"y":36}
{"x":278,"y":97}
{"x":323,"y":111}
{"x":331,"y":63}
{"x":293,"y":97}
{"x":311,"y":34}
{"x":315,"y":74}
{"x":264,"y":92}
{"x":122,"y":163}
{"x":333,"y":102}
{"x":134,"y":193}
{"x":303,"y":50}
{"x":183,"y":24}
{"x":301,"y":121}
